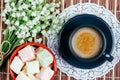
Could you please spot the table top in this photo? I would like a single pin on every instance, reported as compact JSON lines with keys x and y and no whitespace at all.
{"x":112,"y":5}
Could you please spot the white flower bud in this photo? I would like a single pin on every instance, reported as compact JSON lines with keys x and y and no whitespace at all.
{"x":33,"y":14}
{"x":49,"y":32}
{"x":6,"y":1}
{"x":10,"y":29}
{"x":22,"y":33}
{"x":9,"y":9}
{"x":12,"y":22}
{"x":59,"y":27}
{"x":57,"y":30}
{"x":13,"y":28}
{"x":17,"y":23}
{"x":4,"y":32}
{"x":23,"y":14}
{"x":44,"y":26}
{"x":34,"y":31}
{"x":5,"y":11}
{"x":47,"y":12}
{"x":25,"y":6}
{"x":57,"y":5}
{"x":7,"y":21}
{"x":25,"y":18}
{"x":31,"y":0}
{"x":22,"y":41}
{"x":33,"y":7}
{"x":7,"y":5}
{"x":55,"y":26}
{"x":47,"y":23}
{"x":57,"y":11}
{"x":42,"y":12}
{"x":30,"y":39}
{"x":17,"y":33}
{"x":38,"y":40}
{"x":3,"y":14}
{"x":52,"y":9}
{"x":28,"y":23}
{"x":25,"y":28}
{"x":20,"y":8}
{"x":37,"y":18}
{"x":13,"y":15}
{"x":4,"y":19}
{"x":23,"y":37}
{"x":14,"y":9}
{"x":27,"y":34}
{"x":47,"y":5}
{"x":38,"y":28}
{"x":21,"y":27}
{"x":30,"y":27}
{"x":48,"y":17}
{"x":33,"y":35}
{"x":53,"y":4}
{"x":18,"y":14}
{"x":41,"y":1}
{"x":44,"y":9}
{"x":43,"y":32}
{"x":13,"y":4}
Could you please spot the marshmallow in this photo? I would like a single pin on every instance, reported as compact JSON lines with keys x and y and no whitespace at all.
{"x":32,"y":77}
{"x":16,"y":64}
{"x":27,"y":53}
{"x":45,"y":74}
{"x":32,"y":67}
{"x":22,"y":76}
{"x":45,"y":58}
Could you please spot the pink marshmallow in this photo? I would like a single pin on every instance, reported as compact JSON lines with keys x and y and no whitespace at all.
{"x":45,"y":74}
{"x":27,"y":53}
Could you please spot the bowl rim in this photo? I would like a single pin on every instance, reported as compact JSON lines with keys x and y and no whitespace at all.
{"x":15,"y":52}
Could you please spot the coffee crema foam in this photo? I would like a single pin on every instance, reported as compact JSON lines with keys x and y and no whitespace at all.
{"x":86,"y":42}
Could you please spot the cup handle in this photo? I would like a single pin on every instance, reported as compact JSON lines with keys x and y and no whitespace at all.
{"x":108,"y":57}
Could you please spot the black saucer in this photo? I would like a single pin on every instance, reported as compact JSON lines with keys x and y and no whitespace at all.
{"x":69,"y":27}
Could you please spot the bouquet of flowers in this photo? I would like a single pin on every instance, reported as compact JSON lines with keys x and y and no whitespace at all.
{"x":25,"y":19}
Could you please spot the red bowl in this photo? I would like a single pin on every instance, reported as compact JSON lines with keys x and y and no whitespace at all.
{"x":36,"y":45}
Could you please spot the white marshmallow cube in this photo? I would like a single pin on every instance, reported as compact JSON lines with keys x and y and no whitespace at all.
{"x":16,"y":64}
{"x":22,"y":76}
{"x":32,"y":67}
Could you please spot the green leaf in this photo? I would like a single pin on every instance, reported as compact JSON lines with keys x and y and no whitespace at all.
{"x":13,"y":36}
{"x":6,"y":36}
{"x":16,"y":43}
{"x":6,"y":46}
{"x":13,"y":42}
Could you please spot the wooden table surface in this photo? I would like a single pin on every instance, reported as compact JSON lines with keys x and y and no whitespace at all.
{"x":112,"y":5}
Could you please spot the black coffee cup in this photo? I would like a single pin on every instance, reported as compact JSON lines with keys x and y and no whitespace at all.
{"x":102,"y":52}
{"x":68,"y":30}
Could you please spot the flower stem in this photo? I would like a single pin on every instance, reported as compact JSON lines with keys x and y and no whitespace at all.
{"x":45,"y":1}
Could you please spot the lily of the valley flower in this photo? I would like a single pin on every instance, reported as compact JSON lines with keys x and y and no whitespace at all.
{"x":38,"y":40}
{"x":26,"y":19}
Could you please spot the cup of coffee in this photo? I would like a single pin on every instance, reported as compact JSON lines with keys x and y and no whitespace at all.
{"x":88,"y":43}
